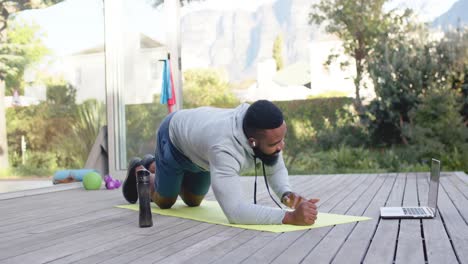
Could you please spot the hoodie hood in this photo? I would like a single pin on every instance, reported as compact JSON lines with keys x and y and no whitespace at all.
{"x":238,"y":131}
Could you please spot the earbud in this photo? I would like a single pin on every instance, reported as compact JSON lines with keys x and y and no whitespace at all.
{"x":253,"y":144}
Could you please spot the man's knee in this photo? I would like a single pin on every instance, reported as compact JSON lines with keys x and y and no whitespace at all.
{"x":163,"y":203}
{"x":192,"y":202}
{"x":191,"y":199}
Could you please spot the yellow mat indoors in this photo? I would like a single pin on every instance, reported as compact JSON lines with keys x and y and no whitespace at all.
{"x":210,"y":212}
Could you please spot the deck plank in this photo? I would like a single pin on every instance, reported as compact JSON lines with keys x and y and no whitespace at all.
{"x":410,"y":244}
{"x":340,"y":203}
{"x":326,"y":250}
{"x":455,"y":225}
{"x":310,"y":187}
{"x":356,"y":245}
{"x":186,"y":254}
{"x":84,"y":227}
{"x":280,"y":242}
{"x":438,"y":247}
{"x":127,"y":249}
{"x":456,"y":195}
{"x":387,"y":231}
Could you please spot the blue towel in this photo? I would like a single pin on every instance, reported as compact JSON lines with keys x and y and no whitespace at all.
{"x":166,"y":92}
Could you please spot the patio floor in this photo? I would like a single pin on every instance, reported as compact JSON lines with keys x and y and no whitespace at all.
{"x":70,"y":224}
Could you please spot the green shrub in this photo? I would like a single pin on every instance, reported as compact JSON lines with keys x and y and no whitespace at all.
{"x":142,"y":121}
{"x":456,"y":160}
{"x":305,"y":118}
{"x":359,"y":160}
{"x":207,"y":87}
{"x":437,"y":129}
{"x":38,"y":164}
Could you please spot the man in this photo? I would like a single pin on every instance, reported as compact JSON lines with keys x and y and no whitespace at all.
{"x":207,"y":146}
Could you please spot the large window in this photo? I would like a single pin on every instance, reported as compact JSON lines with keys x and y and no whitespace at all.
{"x":135,"y":54}
{"x":59,"y":87}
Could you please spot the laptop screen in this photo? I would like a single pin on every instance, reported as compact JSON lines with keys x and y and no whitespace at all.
{"x":434,"y":184}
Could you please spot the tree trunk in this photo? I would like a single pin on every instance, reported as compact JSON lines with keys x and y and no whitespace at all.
{"x":357,"y":85}
{"x":3,"y":132}
{"x":403,"y":138}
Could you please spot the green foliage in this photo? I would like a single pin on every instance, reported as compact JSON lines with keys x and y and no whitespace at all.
{"x":89,"y":119}
{"x":142,"y":121}
{"x":437,"y":129}
{"x":25,"y":47}
{"x":15,"y":6}
{"x":358,"y":24}
{"x":69,"y":135}
{"x":350,"y":134}
{"x":59,"y":92}
{"x":278,"y":52}
{"x":402,"y":68}
{"x":355,"y":22}
{"x":345,"y":159}
{"x":12,"y":57}
{"x":329,"y":94}
{"x":384,"y":126}
{"x":453,"y":58}
{"x":43,"y":132}
{"x":30,"y":122}
{"x":38,"y":164}
{"x":206,"y":87}
{"x":304,"y":119}
{"x":56,"y":126}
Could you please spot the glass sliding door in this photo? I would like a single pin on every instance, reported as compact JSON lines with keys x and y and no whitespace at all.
{"x":55,"y":91}
{"x":135,"y":53}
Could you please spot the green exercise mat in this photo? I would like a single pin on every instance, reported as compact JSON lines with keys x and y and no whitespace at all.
{"x":210,"y":212}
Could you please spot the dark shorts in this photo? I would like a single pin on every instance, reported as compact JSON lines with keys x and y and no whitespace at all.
{"x":174,"y":169}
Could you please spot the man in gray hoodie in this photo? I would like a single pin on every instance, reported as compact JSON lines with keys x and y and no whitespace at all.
{"x":207,"y":146}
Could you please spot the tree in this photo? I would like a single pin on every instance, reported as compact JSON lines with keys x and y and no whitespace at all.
{"x":32,"y":49}
{"x":206,"y":87}
{"x":453,"y":50}
{"x":278,"y":52}
{"x":53,"y":128}
{"x":437,"y":129}
{"x":356,"y":23}
{"x":9,"y":57}
{"x":403,"y":66}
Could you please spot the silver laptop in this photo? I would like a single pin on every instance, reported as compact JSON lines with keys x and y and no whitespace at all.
{"x":428,"y":211}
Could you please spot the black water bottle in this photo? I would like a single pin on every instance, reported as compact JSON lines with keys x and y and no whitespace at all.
{"x":143,"y":186}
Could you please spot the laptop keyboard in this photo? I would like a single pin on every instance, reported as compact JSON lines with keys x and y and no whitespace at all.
{"x":414,"y":211}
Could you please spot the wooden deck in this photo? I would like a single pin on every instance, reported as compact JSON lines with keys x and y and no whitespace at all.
{"x":81,"y":226}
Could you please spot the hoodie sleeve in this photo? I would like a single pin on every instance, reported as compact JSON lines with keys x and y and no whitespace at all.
{"x":227,"y":189}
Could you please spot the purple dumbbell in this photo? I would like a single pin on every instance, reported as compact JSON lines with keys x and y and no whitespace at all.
{"x":111,"y":183}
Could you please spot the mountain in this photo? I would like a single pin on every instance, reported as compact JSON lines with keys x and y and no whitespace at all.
{"x":457,"y":15}
{"x":237,"y":40}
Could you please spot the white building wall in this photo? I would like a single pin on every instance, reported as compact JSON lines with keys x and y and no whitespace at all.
{"x":266,"y":88}
{"x":87,"y":74}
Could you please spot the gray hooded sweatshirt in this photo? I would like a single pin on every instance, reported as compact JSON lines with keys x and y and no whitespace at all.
{"x":213,"y":139}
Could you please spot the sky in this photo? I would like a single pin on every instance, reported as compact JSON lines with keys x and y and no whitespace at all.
{"x":74,"y":25}
{"x":426,"y":9}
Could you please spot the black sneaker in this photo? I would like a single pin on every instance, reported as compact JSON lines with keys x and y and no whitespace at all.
{"x":147,"y":160}
{"x":129,"y":186}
